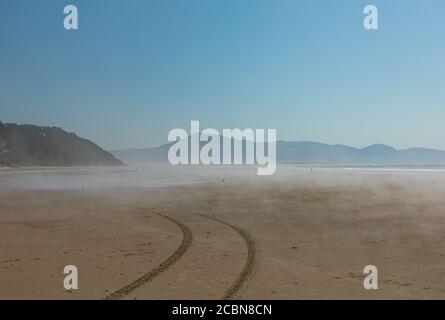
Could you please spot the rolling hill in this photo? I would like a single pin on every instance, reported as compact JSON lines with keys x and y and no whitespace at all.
{"x":29,"y":145}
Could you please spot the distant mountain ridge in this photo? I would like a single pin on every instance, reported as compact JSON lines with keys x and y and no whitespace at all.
{"x":377,"y":154}
{"x":313,"y":153}
{"x":29,"y":145}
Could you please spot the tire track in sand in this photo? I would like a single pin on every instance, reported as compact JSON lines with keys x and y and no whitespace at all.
{"x":249,"y":266}
{"x":187,"y":237}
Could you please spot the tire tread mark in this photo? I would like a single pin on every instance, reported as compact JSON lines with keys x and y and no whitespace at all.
{"x":175,"y":257}
{"x":249,"y":266}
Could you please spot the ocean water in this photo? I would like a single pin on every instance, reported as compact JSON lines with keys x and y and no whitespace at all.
{"x":383,"y":167}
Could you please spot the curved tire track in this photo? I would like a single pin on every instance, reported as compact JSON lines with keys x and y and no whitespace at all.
{"x":175,"y":257}
{"x":249,"y":266}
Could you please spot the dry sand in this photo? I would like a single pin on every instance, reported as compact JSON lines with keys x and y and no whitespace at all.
{"x":300,"y":234}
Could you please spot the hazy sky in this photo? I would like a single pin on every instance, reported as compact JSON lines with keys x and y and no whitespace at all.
{"x":137,"y":68}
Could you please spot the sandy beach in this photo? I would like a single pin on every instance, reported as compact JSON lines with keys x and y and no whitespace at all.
{"x":301,"y":234}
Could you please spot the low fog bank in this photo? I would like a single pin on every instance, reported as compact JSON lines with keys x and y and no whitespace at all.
{"x":123,"y":177}
{"x":165,"y":176}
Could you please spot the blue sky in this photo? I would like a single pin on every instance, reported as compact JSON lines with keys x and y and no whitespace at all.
{"x":136,"y":69}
